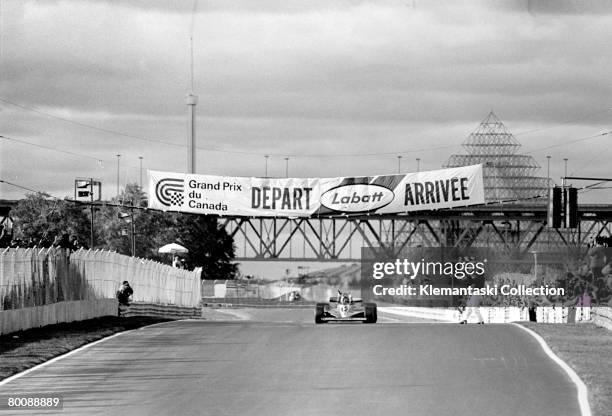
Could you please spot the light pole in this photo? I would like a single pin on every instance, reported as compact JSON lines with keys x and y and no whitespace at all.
{"x":140,"y":158}
{"x":548,"y":192}
{"x":565,"y":160}
{"x":535,"y":264}
{"x":192,"y":102}
{"x":418,"y":160}
{"x":399,"y":163}
{"x":286,"y":167}
{"x":266,"y":157}
{"x":118,"y":158}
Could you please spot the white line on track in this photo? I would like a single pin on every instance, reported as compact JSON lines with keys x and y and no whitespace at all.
{"x":583,"y":395}
{"x":69,"y":353}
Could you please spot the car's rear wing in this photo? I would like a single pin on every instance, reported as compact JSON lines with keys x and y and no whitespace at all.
{"x":334,"y":299}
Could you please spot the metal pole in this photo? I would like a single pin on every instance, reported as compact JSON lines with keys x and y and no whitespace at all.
{"x":192,"y":101}
{"x":140,"y":158}
{"x":548,"y":191}
{"x":91,"y":237}
{"x":565,"y":160}
{"x":118,"y":158}
{"x":266,"y":156}
{"x":399,"y":163}
{"x":418,"y":160}
{"x":286,"y":167}
{"x":133,"y":233}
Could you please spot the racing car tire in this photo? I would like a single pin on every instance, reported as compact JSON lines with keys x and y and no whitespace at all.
{"x":370,"y":313}
{"x":320,"y":312}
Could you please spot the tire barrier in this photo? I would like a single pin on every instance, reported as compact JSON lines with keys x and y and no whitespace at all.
{"x":160,"y":311}
{"x":242,"y":302}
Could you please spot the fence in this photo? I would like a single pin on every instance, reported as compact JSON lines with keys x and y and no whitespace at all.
{"x":602,"y":316}
{"x":76,"y":310}
{"x":39,"y":278}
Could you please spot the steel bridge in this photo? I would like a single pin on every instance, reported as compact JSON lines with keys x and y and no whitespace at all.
{"x":514,"y":229}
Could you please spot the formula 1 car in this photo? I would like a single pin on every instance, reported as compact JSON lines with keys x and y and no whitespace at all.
{"x":345,"y":308}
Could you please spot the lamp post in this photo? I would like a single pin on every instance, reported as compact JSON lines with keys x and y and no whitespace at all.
{"x":266,"y":157}
{"x":140,"y":159}
{"x":399,"y":163}
{"x":548,"y":192}
{"x":118,"y":158}
{"x":192,"y":102}
{"x":535,"y":263}
{"x":418,"y":160}
{"x":286,"y":167}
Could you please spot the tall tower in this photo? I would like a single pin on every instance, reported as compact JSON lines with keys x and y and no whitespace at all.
{"x":192,"y":101}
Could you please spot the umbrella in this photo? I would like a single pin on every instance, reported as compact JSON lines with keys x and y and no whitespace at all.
{"x":173,"y":248}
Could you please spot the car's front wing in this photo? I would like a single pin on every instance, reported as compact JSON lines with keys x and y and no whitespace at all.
{"x":359,"y":316}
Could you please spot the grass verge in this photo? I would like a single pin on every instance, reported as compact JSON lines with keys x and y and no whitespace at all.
{"x":586,"y":348}
{"x":25,"y":349}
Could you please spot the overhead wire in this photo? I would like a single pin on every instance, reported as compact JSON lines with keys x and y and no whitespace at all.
{"x":562,"y":123}
{"x":582,"y":139}
{"x":231,"y":151}
{"x":210,"y":148}
{"x":27,"y":189}
{"x":55,"y":149}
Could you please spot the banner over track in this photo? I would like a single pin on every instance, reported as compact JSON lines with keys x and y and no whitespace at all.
{"x":307,"y":197}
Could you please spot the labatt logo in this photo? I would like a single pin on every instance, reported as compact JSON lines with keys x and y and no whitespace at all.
{"x":357,"y":198}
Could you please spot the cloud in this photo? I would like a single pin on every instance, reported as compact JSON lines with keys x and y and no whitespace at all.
{"x":296,"y":78}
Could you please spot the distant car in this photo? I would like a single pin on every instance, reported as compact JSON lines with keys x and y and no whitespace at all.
{"x":345,"y":308}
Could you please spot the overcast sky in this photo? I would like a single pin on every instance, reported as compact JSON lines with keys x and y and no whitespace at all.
{"x":340,"y":87}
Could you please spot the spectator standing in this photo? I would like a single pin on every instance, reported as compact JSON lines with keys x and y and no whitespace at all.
{"x":472,"y":306}
{"x":123,"y":295}
{"x":597,"y":259}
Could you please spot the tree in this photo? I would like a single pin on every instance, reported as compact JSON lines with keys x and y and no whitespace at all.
{"x":39,"y":219}
{"x":209,"y":245}
{"x":151,"y":227}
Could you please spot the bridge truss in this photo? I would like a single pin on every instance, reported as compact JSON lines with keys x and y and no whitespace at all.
{"x":514,"y":229}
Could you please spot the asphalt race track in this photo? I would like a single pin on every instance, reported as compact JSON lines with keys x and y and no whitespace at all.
{"x":280,"y":363}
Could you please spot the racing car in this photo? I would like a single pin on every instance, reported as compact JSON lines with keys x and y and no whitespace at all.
{"x":345,"y":308}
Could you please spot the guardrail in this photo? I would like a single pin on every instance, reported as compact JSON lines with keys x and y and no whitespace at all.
{"x":161,"y":311}
{"x":602,"y":316}
{"x":502,"y":314}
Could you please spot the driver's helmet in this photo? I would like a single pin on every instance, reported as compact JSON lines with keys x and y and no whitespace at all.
{"x":345,"y":300}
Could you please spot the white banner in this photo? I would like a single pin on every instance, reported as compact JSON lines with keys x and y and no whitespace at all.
{"x":305,"y":197}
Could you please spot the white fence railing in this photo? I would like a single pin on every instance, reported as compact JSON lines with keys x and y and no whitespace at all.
{"x":36,"y":277}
